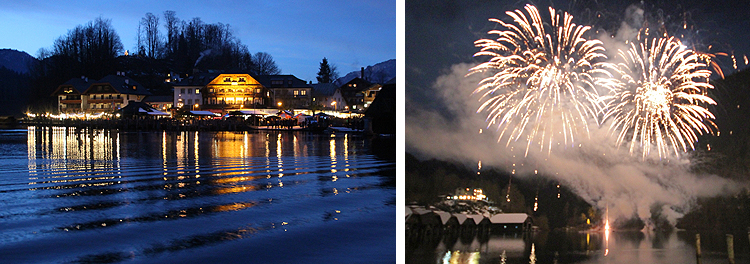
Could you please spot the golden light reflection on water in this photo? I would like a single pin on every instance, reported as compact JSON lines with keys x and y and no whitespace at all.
{"x":456,"y":257}
{"x":64,"y":144}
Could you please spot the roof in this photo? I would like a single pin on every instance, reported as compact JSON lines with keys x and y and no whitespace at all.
{"x":362,"y":84}
{"x":517,"y":218}
{"x":198,"y":79}
{"x":79,"y":85}
{"x":324,"y":89}
{"x":139,"y":108}
{"x":266,"y":80}
{"x":122,"y":84}
{"x":158,"y":98}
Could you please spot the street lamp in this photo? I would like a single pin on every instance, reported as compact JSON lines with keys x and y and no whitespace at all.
{"x":334,"y":105}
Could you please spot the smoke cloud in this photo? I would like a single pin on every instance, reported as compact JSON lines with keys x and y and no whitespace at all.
{"x":593,"y":167}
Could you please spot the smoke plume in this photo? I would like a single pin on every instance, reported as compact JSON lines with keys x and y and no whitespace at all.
{"x":593,"y":167}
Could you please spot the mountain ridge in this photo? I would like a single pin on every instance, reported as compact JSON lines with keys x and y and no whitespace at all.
{"x":17,"y":61}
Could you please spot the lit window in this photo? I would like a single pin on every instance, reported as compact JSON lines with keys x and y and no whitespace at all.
{"x":303,"y":92}
{"x":296,"y":93}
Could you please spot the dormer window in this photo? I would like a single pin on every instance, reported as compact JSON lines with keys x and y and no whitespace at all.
{"x":242,"y":79}
{"x":227,"y":79}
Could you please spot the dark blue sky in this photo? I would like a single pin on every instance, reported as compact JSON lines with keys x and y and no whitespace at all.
{"x":298,"y":34}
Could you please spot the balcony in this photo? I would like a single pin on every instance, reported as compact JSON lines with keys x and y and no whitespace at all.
{"x":104,"y":101}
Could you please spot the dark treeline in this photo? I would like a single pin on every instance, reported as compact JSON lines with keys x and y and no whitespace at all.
{"x":175,"y":46}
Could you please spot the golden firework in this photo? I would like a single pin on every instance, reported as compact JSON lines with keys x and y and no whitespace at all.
{"x":661,"y":100}
{"x":544,"y":78}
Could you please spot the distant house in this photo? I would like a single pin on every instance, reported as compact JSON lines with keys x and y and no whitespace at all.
{"x":187,"y":91}
{"x":231,"y":91}
{"x":354,"y":93}
{"x":69,"y":95}
{"x":328,"y":97}
{"x":112,"y":92}
{"x":287,"y":91}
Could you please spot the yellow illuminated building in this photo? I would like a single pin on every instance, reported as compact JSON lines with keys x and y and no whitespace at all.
{"x":234,"y":91}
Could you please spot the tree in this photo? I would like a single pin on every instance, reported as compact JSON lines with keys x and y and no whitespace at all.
{"x":170,"y":23}
{"x":264,"y":64}
{"x":327,"y":73}
{"x":150,"y":25}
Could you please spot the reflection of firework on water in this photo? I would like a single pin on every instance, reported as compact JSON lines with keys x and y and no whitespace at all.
{"x":544,"y":78}
{"x":662,"y":99}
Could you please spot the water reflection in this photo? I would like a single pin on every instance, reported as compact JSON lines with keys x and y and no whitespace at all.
{"x":570,"y":247}
{"x":161,"y":192}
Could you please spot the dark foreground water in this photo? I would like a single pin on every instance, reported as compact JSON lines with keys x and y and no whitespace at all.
{"x":84,"y":196}
{"x":574,"y":247}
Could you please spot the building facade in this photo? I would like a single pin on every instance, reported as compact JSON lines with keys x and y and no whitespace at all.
{"x":327,"y":96}
{"x":70,"y":95}
{"x":111,"y":93}
{"x":81,"y":95}
{"x":187,"y":92}
{"x":229,"y":91}
{"x":287,"y":91}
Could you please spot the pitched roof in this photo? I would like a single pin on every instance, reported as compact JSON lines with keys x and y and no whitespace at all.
{"x":123,"y":85}
{"x":324,"y":89}
{"x":266,"y":80}
{"x":198,"y":79}
{"x":79,"y":85}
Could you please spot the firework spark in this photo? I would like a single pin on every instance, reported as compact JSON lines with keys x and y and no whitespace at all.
{"x":544,"y":78}
{"x":661,"y":101}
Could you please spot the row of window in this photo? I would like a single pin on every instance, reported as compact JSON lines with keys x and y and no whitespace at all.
{"x":231,"y":100}
{"x":190,"y":90}
{"x":246,"y":90}
{"x":228,"y":79}
{"x":189,"y":101}
{"x":102,"y":96}
{"x":103,"y":106}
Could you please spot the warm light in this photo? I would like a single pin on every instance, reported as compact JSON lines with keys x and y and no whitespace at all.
{"x":279,"y":104}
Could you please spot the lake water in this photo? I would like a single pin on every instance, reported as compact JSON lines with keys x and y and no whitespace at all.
{"x":574,"y":247}
{"x":82,"y":196}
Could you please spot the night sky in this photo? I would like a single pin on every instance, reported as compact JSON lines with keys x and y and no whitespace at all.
{"x":298,"y":34}
{"x":441,"y":33}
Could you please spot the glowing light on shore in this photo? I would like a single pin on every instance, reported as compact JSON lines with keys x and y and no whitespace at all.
{"x":544,"y":78}
{"x":662,"y":99}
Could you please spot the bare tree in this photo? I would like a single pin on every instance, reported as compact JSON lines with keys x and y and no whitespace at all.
{"x":150,"y":25}
{"x":264,"y":64}
{"x":170,"y":23}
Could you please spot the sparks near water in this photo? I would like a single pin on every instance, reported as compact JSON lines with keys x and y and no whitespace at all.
{"x":544,"y":80}
{"x":661,"y":99}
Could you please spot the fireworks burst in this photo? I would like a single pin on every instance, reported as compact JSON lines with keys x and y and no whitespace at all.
{"x":662,"y":99}
{"x":544,"y":78}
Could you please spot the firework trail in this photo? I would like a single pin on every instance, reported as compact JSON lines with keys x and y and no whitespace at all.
{"x":544,"y":78}
{"x":661,"y":100}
